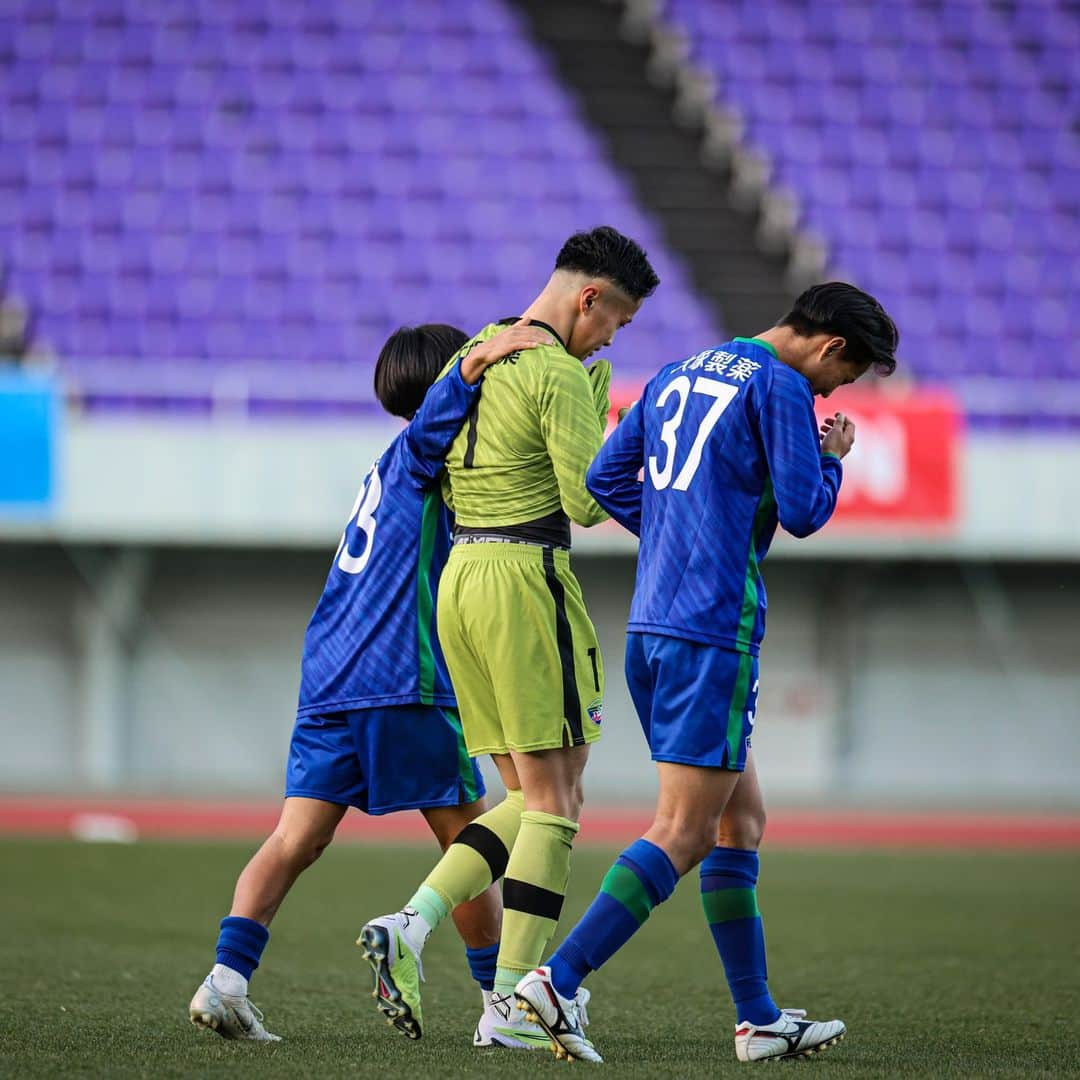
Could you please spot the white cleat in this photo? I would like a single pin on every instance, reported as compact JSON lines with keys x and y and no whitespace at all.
{"x":792,"y":1035}
{"x":564,"y":1021}
{"x":398,"y":971}
{"x":230,"y":1016}
{"x":504,"y":1025}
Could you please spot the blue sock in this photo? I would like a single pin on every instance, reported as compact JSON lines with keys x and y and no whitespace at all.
{"x":641,"y":878}
{"x":482,"y":964}
{"x":728,"y":894}
{"x":240,"y":944}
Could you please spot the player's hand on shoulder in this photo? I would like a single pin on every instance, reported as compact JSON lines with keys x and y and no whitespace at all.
{"x":837,"y":435}
{"x":507,"y":342}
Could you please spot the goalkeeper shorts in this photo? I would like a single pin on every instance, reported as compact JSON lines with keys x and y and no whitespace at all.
{"x":521,"y":650}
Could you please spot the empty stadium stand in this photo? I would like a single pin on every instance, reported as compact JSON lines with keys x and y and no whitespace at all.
{"x":934,"y":147}
{"x":247,"y":193}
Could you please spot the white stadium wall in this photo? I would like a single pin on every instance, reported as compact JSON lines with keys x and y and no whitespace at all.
{"x":151,"y":617}
{"x":885,"y":681}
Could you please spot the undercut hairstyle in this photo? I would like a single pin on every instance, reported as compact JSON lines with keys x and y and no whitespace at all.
{"x":409,"y":363}
{"x":841,"y":309}
{"x":606,"y":253}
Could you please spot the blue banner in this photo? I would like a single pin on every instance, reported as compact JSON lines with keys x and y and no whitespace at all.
{"x":30,"y":409}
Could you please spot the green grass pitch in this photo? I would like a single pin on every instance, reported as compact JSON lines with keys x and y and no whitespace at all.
{"x":941,"y":964}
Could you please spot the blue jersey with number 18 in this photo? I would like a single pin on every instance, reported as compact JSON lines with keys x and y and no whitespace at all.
{"x":372,"y":640}
{"x":729,"y":446}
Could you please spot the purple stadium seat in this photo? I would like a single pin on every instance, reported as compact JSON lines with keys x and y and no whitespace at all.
{"x":933,"y":147}
{"x":276,"y":183}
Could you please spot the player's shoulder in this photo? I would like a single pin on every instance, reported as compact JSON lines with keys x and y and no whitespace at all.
{"x":550,"y":364}
{"x":481,"y":335}
{"x":786,"y":380}
{"x":555,"y":356}
{"x":396,"y":471}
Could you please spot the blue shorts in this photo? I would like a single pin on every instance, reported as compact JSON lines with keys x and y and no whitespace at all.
{"x":401,"y":757}
{"x":696,"y":702}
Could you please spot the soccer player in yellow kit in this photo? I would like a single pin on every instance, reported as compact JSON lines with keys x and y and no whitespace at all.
{"x":522,"y":652}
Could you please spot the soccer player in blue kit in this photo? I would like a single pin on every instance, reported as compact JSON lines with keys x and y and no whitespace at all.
{"x":377,"y":725}
{"x":729,"y":447}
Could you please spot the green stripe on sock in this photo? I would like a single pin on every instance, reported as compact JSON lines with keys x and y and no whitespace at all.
{"x":726,"y":905}
{"x":624,"y":885}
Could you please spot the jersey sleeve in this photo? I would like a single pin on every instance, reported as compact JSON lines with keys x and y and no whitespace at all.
{"x":612,"y":478}
{"x":599,"y":374}
{"x":436,"y":424}
{"x":805,"y":483}
{"x":572,"y":434}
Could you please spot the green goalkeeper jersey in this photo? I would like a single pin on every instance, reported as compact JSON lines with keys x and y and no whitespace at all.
{"x":535,"y":429}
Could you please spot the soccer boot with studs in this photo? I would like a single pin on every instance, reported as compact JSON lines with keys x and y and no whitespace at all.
{"x":790,"y":1036}
{"x":563,"y":1020}
{"x":504,"y":1024}
{"x":231,"y":1016}
{"x":397,"y":970}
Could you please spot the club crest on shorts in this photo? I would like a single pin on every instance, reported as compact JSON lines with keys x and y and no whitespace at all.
{"x":596,"y":711}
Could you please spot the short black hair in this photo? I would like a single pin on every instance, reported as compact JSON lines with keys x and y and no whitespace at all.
{"x":835,"y":307}
{"x":409,"y":363}
{"x":605,"y":252}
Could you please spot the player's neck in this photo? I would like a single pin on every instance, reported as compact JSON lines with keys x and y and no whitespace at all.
{"x":790,"y":348}
{"x":551,"y":307}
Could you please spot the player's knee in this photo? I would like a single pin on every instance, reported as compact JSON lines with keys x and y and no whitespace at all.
{"x":563,"y":799}
{"x":744,"y":829}
{"x":301,"y":848}
{"x":447,"y":824}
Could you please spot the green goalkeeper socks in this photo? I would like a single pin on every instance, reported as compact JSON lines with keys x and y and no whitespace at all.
{"x":533,"y":893}
{"x":476,"y":858}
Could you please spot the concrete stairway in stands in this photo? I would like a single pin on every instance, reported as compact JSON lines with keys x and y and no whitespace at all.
{"x":690,"y":200}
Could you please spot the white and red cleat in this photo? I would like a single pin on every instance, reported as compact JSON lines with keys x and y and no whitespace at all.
{"x":563,"y":1020}
{"x":791,"y":1035}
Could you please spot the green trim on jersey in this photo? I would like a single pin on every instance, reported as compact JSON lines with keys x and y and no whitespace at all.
{"x":465,"y":767}
{"x":759,"y":341}
{"x":766,"y":505}
{"x":425,"y":602}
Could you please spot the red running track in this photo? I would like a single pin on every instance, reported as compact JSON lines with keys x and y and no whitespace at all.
{"x":126,"y":819}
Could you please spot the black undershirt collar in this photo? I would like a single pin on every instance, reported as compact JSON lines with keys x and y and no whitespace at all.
{"x":535,"y":322}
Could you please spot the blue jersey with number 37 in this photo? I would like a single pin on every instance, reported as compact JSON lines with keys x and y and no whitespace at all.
{"x":729,"y":446}
{"x":372,"y":640}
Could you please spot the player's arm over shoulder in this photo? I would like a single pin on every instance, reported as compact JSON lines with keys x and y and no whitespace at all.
{"x":427,"y":438}
{"x":572,"y":429}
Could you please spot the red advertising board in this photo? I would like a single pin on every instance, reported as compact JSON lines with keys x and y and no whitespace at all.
{"x":904,"y":469}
